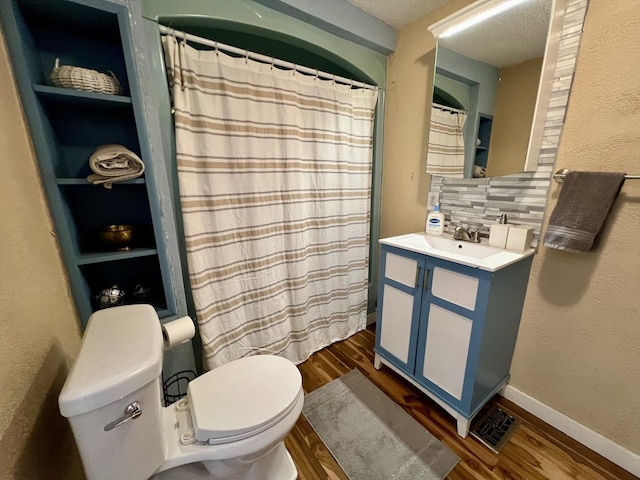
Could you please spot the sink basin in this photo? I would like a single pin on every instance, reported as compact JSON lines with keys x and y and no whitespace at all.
{"x":475,"y":255}
{"x":475,"y":250}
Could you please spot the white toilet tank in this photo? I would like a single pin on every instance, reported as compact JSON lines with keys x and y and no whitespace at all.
{"x":120,"y":362}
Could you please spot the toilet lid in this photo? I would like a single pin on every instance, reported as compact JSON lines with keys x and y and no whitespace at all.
{"x":242,"y":396}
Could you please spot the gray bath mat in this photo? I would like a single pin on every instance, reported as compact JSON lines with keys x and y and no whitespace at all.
{"x":370,"y":436}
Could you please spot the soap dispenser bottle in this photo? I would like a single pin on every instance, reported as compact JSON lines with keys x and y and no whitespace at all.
{"x":435,"y":221}
{"x":498,"y":232}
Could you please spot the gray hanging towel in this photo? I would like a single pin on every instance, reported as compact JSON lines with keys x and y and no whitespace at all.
{"x":585,"y":201}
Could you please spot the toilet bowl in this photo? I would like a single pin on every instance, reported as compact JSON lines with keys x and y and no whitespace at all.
{"x":230,"y":425}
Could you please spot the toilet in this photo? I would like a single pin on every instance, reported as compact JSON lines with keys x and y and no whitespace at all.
{"x":230,"y":425}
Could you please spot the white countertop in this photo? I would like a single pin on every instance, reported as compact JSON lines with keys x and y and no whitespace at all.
{"x":476,"y":255}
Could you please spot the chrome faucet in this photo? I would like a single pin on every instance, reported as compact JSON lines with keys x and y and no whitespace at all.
{"x":461,"y":233}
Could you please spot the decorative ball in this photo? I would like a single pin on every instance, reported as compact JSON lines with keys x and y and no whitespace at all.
{"x":110,"y":297}
{"x":140,"y":293}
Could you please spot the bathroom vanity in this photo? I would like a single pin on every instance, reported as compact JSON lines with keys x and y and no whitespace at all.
{"x":448,"y":316}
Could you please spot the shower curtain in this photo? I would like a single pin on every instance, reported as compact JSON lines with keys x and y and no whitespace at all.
{"x":274,"y":171}
{"x":445,"y":153}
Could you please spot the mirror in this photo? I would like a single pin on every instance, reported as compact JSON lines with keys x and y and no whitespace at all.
{"x":485,"y":91}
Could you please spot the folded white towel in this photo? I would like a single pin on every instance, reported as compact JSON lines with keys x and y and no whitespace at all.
{"x":114,"y":163}
{"x":479,"y":172}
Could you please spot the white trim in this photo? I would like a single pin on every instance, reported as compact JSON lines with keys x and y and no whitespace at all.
{"x":545,"y":86}
{"x":619,"y":455}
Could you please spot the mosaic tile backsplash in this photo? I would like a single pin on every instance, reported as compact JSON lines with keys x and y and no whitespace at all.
{"x":476,"y":203}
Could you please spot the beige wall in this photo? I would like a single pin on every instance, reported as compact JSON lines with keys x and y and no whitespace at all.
{"x":409,"y":91}
{"x":579,"y":343}
{"x":39,"y":329}
{"x":512,"y":117}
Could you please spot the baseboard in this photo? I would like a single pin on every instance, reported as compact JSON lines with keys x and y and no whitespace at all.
{"x":371,"y":318}
{"x":610,"y":450}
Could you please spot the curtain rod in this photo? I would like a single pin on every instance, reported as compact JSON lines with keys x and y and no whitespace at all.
{"x":560,"y":174}
{"x":263,"y":58}
{"x":451,"y":109}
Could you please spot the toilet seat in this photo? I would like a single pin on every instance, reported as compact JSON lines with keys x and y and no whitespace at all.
{"x":243,"y":398}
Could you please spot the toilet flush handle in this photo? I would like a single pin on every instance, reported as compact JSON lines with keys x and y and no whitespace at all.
{"x":131,"y":412}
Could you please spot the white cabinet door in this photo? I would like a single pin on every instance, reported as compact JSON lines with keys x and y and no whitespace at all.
{"x":401,"y":269}
{"x":446,"y":349}
{"x":400,"y":295}
{"x":395,"y":331}
{"x":454,"y":287}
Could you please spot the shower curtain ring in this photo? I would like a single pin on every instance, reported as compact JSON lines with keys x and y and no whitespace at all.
{"x":216,"y":48}
{"x":272,"y":62}
{"x":317,"y":74}
{"x":246,"y":56}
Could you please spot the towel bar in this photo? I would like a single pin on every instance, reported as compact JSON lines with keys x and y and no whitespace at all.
{"x":560,"y":174}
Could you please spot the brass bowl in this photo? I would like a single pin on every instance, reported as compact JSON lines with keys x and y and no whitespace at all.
{"x":117,"y":237}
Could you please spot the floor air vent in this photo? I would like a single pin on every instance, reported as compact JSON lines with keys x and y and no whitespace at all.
{"x":494,"y":428}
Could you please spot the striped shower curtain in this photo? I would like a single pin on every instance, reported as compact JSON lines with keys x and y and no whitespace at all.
{"x":445,"y":152}
{"x":274,"y":171}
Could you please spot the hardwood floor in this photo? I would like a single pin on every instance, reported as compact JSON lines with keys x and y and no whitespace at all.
{"x":536,"y":451}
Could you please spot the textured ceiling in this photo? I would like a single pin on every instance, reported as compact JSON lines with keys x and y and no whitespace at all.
{"x":513,"y":37}
{"x":398,"y":13}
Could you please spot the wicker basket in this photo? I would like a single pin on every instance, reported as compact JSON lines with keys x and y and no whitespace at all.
{"x":78,"y":78}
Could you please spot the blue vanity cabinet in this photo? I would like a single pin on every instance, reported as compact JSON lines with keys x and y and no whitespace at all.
{"x":448,"y":328}
{"x":66,"y":126}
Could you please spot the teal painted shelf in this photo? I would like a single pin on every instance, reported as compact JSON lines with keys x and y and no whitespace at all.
{"x":80,"y":97}
{"x":84,"y":182}
{"x":101,"y":257}
{"x":165,"y":314}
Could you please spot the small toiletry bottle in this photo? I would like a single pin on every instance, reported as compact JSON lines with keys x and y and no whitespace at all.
{"x":435,"y":221}
{"x":498,"y":232}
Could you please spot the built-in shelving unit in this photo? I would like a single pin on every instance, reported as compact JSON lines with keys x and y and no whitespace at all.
{"x":484,"y":135}
{"x":67,"y":125}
